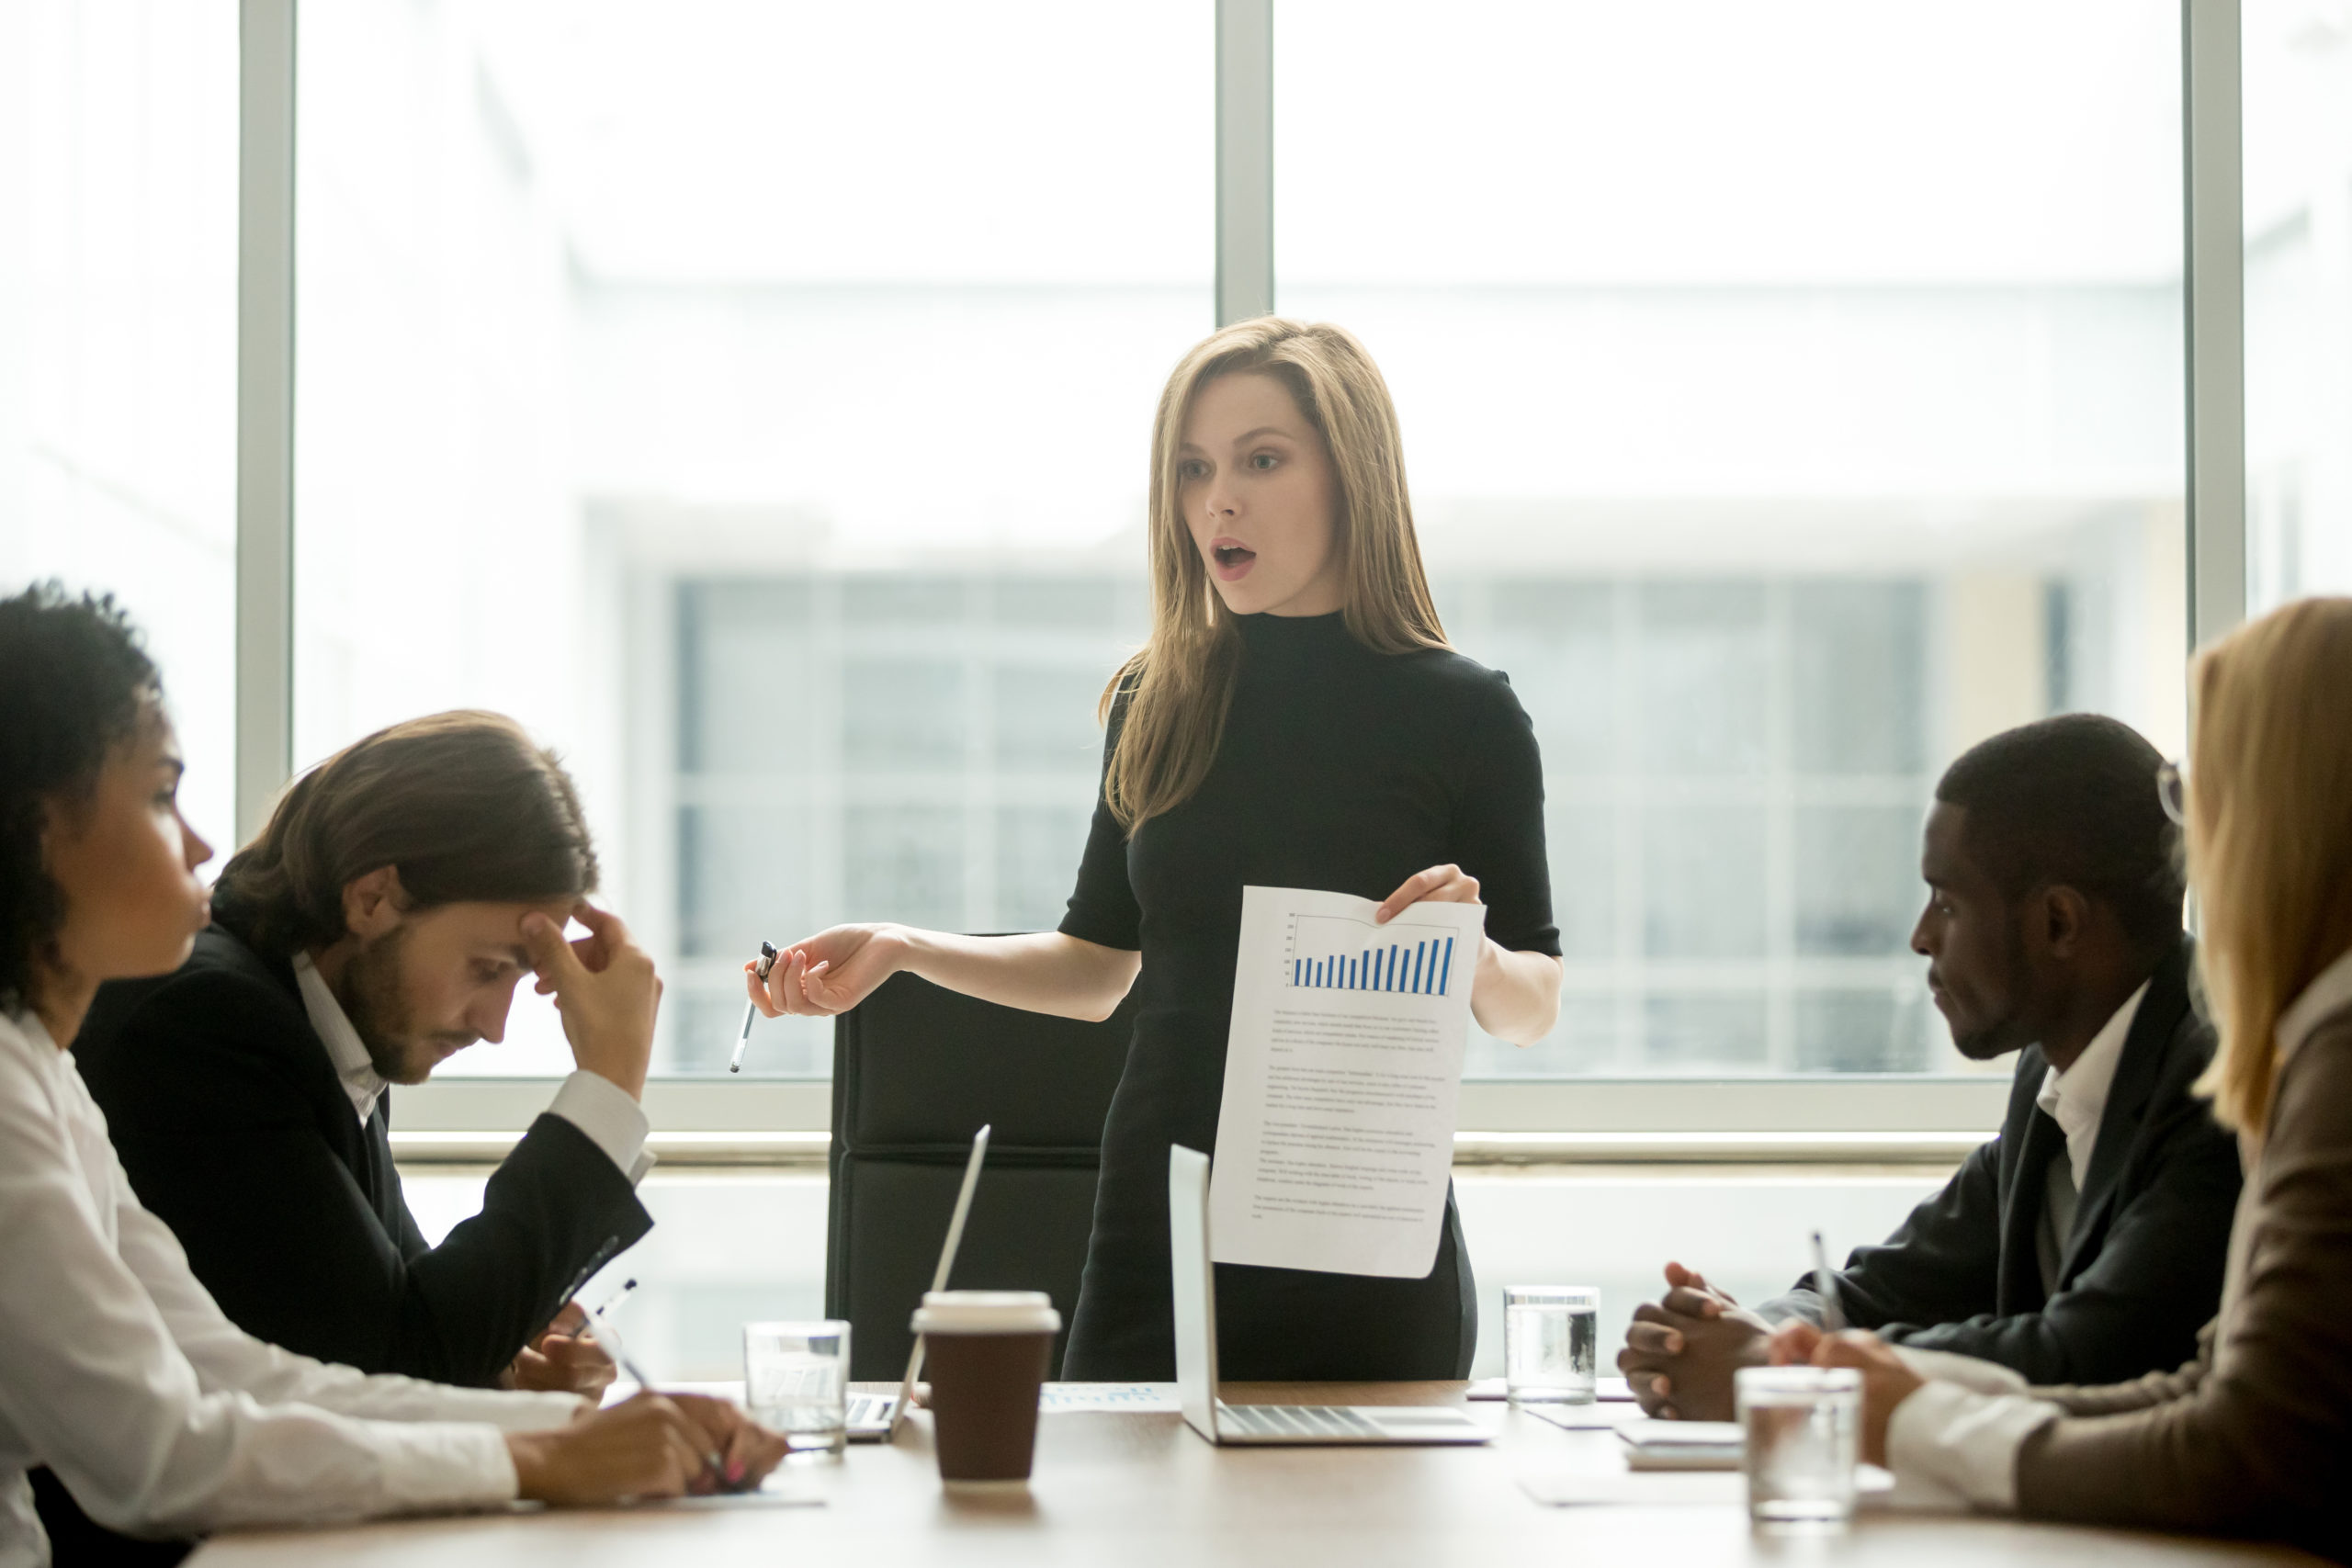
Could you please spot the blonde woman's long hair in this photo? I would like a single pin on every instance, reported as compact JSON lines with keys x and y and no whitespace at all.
{"x":1180,"y":685}
{"x":2270,"y":833}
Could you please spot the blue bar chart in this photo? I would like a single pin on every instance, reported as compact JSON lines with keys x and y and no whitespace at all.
{"x":1329,"y":953}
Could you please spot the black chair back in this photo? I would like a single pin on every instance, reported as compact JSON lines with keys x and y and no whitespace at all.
{"x":916,"y":1071}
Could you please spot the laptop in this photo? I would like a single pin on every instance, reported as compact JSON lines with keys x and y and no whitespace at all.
{"x":1196,"y":1380}
{"x":875,"y":1418}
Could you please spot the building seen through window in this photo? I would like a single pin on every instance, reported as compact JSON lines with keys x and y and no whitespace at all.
{"x":753,"y":399}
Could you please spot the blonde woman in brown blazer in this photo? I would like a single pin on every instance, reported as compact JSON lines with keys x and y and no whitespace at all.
{"x":2254,"y":1437}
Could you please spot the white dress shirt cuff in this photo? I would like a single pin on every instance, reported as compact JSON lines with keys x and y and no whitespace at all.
{"x":612,"y":1120}
{"x":1968,"y":1372}
{"x":1964,"y":1442}
{"x":433,"y":1468}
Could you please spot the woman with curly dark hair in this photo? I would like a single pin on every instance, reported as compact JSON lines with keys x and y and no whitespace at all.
{"x":117,"y":1369}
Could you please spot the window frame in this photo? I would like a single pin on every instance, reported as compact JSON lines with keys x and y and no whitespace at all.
{"x":1841,"y":1119}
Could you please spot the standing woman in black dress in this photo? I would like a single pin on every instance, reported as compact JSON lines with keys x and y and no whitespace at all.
{"x":1296,"y":720}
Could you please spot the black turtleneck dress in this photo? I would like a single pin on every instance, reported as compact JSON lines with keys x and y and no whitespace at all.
{"x":1340,"y":769}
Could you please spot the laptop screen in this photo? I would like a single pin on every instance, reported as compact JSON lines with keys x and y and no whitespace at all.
{"x":1195,"y":1286}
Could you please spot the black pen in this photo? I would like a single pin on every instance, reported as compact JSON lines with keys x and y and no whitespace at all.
{"x":751,"y":1009}
{"x":608,"y":1334}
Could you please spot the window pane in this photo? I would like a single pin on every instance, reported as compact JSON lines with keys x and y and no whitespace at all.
{"x":1704,"y":658}
{"x":2298,"y":75}
{"x":900,"y":713}
{"x":1859,"y":685}
{"x":1583,"y":843}
{"x":1713,"y":1033}
{"x":118,"y":340}
{"x":1702,"y":881}
{"x":1036,"y":864}
{"x":905,"y":863}
{"x":1784,"y":419}
{"x":750,"y":396}
{"x":1857,"y":889}
{"x":1044,"y":717}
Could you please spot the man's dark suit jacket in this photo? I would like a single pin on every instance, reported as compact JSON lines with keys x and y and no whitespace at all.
{"x":236,"y":1130}
{"x":2142,"y":1271}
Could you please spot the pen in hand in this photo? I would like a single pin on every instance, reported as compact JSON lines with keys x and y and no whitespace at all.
{"x":751,"y":1009}
{"x":1825,"y":1285}
{"x":607,"y":1332}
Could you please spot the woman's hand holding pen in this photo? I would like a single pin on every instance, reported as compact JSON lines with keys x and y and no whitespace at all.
{"x":746,"y":1450}
{"x":830,"y":973}
{"x":651,"y":1445}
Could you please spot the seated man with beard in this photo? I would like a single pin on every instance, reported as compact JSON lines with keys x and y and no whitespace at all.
{"x":378,"y":925}
{"x":2084,"y":1243}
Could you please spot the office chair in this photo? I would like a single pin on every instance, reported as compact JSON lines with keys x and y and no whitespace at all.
{"x":916,"y":1071}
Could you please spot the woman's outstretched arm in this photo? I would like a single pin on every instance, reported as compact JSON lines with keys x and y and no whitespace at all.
{"x":1041,"y":971}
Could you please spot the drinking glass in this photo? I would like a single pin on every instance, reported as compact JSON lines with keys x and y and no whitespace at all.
{"x":1549,"y":1340}
{"x":796,"y":1382}
{"x":1802,"y":1426}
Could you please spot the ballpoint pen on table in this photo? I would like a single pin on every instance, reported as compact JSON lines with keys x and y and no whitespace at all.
{"x":1825,"y":1285}
{"x":751,"y":1009}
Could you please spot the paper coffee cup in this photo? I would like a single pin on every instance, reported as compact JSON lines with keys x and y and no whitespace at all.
{"x":987,"y":1351}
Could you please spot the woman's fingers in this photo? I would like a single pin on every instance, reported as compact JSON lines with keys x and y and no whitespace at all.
{"x":783,"y":983}
{"x":824,"y":995}
{"x":741,"y":1452}
{"x":1440,"y":884}
{"x":690,"y":1449}
{"x":756,"y":992}
{"x":808,"y":998}
{"x":1793,"y":1343}
{"x":685,"y":1469}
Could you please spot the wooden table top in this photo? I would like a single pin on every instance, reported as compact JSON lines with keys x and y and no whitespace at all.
{"x":1143,"y":1489}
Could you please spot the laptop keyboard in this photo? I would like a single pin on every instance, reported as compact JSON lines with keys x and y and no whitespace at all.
{"x":870,"y":1409}
{"x":1294,"y":1421}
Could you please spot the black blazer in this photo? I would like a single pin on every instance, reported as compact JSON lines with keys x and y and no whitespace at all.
{"x":2142,"y":1272}
{"x":236,"y":1130}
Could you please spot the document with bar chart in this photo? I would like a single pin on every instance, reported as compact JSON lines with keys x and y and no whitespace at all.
{"x":1335,"y":1140}
{"x":1332,"y":952}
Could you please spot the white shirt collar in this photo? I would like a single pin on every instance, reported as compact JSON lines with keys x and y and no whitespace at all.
{"x":2076,"y":1099}
{"x":2327,"y":994}
{"x":345,"y":1048}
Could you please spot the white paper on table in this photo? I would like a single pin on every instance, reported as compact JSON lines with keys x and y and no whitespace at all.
{"x":1335,"y":1139}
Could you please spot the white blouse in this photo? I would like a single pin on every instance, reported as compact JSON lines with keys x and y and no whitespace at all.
{"x":161,"y":1417}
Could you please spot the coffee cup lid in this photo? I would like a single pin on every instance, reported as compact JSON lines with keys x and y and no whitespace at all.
{"x":986,"y":1312}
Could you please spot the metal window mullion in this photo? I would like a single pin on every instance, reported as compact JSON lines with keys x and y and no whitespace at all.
{"x":1244,"y":160}
{"x":265,"y":598}
{"x":2214,"y":301}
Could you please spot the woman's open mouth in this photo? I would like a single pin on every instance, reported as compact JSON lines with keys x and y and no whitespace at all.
{"x":1233,"y":558}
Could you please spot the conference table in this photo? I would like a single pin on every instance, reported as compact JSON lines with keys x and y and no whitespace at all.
{"x":1134,"y":1488}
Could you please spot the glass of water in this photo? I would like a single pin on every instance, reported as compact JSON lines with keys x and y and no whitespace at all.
{"x":1551,"y":1336}
{"x":1802,"y":1426}
{"x":796,"y":1382}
